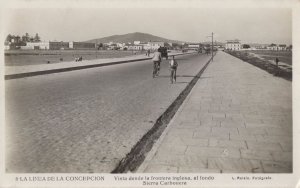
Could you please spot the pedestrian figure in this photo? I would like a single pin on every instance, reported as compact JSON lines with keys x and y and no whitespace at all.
{"x":156,"y":63}
{"x":173,"y":68}
{"x":277,"y":67}
{"x":207,"y":51}
{"x":276,"y":60}
{"x":148,"y":52}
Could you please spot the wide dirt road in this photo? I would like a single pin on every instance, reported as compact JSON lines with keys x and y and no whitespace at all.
{"x":87,"y":120}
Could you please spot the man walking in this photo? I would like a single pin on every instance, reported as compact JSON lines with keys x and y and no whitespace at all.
{"x":277,"y":67}
{"x":173,"y":68}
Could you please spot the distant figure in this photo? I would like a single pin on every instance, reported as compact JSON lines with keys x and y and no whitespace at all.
{"x":61,"y":59}
{"x":207,"y":52}
{"x":199,"y":50}
{"x":78,"y":58}
{"x":148,"y":52}
{"x":277,"y":61}
{"x":277,"y":67}
{"x":173,"y":68}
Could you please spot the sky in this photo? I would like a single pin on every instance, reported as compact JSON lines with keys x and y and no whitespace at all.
{"x":250,"y":25}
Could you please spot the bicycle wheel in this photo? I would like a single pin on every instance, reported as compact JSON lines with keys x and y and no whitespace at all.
{"x":154,"y":70}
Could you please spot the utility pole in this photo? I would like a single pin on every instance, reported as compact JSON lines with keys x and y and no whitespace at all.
{"x":212,"y":46}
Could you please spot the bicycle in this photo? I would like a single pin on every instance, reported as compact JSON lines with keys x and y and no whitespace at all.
{"x":156,"y":69}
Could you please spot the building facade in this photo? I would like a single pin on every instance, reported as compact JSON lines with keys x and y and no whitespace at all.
{"x":82,"y":45}
{"x":233,"y":45}
{"x":58,"y":45}
{"x":36,"y":46}
{"x":276,"y":47}
{"x":135,"y":47}
{"x":156,"y":45}
{"x":193,"y":46}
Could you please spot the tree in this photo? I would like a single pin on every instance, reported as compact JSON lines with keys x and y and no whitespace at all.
{"x":8,"y":38}
{"x":246,"y":46}
{"x":100,"y":45}
{"x":37,"y":38}
{"x":17,"y":38}
{"x":167,"y":44}
{"x":176,"y":46}
{"x":27,"y":37}
{"x":24,"y":39}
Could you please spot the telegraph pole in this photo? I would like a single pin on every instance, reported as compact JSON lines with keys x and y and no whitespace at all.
{"x":212,"y":46}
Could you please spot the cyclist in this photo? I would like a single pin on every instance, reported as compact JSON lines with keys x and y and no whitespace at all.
{"x":156,"y":63}
{"x":173,"y":68}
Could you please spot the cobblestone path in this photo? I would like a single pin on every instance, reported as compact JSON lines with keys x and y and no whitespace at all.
{"x":87,"y":120}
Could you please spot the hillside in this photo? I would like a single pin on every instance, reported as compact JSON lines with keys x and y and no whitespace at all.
{"x":130,"y":37}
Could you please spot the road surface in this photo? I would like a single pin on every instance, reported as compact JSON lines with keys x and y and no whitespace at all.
{"x":87,"y":120}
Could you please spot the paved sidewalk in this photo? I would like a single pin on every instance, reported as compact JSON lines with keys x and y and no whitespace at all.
{"x":30,"y":70}
{"x":42,"y":67}
{"x":237,"y":118}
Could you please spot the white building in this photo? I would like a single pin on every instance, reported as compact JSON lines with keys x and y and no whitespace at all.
{"x":276,"y":47}
{"x":120,"y":45}
{"x":135,"y":47}
{"x":233,"y":45}
{"x":36,"y":46}
{"x":156,"y":45}
{"x":194,"y":46}
{"x":272,"y":47}
{"x":146,"y":46}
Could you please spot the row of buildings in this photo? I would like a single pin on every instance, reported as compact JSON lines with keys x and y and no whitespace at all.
{"x":136,"y":45}
{"x":236,"y":45}
{"x":54,"y":45}
{"x":57,"y":45}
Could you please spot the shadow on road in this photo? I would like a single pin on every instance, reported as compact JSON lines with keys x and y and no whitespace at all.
{"x":181,"y":82}
{"x":163,"y":76}
{"x":186,"y":76}
{"x":182,"y":76}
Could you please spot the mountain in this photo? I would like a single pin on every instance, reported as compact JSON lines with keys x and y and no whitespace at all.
{"x":130,"y":37}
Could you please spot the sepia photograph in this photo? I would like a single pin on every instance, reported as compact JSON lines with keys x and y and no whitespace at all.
{"x":169,"y":95}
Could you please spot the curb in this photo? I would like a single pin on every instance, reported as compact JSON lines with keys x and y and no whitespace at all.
{"x":138,"y":153}
{"x":156,"y":145}
{"x":51,"y":71}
